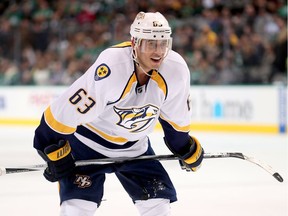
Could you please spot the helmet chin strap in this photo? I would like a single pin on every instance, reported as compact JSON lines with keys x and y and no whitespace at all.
{"x":134,"y":57}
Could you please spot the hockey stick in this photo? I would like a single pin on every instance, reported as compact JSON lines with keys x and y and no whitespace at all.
{"x":104,"y":161}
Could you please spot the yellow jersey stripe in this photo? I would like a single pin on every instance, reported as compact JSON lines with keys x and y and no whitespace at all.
{"x":109,"y":138}
{"x":160,"y":81}
{"x":123,"y":44}
{"x":56,"y":125}
{"x":129,"y":85}
{"x":177,"y":127}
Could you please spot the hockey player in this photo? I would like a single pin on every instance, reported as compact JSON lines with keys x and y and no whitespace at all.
{"x":109,"y":111}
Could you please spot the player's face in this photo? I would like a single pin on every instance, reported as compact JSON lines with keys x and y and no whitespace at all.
{"x":151,"y":53}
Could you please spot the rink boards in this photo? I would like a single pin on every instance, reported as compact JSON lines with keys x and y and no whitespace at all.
{"x":252,"y":109}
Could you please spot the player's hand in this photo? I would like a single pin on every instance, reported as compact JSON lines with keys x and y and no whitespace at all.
{"x":192,"y":160}
{"x":60,"y":161}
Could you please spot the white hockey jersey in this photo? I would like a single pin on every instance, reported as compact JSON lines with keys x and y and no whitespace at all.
{"x":110,"y":112}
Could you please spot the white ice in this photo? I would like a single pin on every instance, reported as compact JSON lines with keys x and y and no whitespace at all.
{"x":222,"y":187}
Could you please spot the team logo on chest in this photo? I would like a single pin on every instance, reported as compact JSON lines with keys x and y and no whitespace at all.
{"x":136,"y":119}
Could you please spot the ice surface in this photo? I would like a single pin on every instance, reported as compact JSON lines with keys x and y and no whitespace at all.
{"x":222,"y":187}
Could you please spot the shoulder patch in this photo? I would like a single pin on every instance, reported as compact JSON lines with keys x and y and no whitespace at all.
{"x":101,"y":72}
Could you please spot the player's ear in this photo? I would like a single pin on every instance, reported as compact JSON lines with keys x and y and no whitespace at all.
{"x":133,"y":42}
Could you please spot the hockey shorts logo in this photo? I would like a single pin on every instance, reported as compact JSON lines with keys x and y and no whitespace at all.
{"x":83,"y":181}
{"x":102,"y":71}
{"x":136,"y":119}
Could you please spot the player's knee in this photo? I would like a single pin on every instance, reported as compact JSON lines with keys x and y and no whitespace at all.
{"x":153,"y":207}
{"x":78,"y":207}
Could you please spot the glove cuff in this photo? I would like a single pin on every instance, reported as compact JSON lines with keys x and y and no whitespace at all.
{"x":54,"y":153}
{"x":196,"y":154}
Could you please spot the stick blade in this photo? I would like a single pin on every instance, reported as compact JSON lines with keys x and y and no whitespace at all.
{"x":278,"y":177}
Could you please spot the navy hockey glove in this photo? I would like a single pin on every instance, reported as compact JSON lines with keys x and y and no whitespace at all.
{"x":59,"y":159}
{"x":193,"y":159}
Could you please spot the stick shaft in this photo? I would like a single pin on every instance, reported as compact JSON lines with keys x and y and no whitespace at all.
{"x":104,"y":161}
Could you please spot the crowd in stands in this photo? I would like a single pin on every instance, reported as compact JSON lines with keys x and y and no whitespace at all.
{"x":50,"y":42}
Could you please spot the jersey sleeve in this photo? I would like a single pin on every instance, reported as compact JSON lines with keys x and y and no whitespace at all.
{"x":81,"y":103}
{"x":175,"y":113}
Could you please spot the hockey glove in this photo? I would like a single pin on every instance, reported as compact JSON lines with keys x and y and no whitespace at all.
{"x":59,"y":159}
{"x":192,"y":160}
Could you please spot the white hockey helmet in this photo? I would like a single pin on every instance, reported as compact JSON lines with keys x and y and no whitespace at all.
{"x":151,"y":26}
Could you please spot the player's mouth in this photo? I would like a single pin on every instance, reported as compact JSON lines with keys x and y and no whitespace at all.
{"x":156,"y":59}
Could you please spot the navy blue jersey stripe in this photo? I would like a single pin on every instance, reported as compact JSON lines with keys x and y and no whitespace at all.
{"x":94,"y":137}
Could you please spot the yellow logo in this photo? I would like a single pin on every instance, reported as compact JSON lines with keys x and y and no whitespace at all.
{"x":102,"y":71}
{"x":60,"y":153}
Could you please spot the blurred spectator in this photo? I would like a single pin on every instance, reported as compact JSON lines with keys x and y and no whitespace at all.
{"x":71,"y":73}
{"x":279,"y":66}
{"x":9,"y":74}
{"x":40,"y":72}
{"x":6,"y":39}
{"x":49,"y":42}
{"x":26,"y":76}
